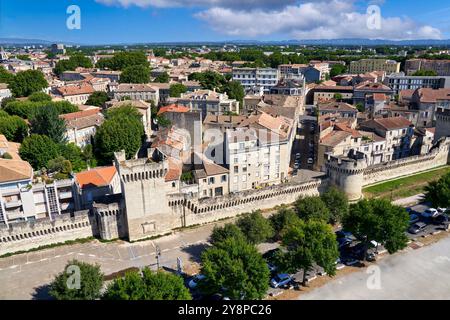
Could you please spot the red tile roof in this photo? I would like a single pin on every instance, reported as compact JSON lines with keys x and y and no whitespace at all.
{"x":173,"y":108}
{"x":98,"y":177}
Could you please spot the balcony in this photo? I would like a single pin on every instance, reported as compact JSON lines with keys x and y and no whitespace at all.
{"x":65,"y":195}
{"x":13,"y":204}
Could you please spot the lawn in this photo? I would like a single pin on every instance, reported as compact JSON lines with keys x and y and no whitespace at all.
{"x":404,"y":187}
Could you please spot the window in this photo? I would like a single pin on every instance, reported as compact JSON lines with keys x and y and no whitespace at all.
{"x":235,"y":179}
{"x":236,"y":169}
{"x":244,"y":169}
{"x":244,"y":178}
{"x":174,"y":184}
{"x":241,"y":146}
{"x":212,"y":180}
{"x":224,"y":178}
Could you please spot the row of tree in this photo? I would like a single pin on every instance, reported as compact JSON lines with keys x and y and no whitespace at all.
{"x":24,"y":83}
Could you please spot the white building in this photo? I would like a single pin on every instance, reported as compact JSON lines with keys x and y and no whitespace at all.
{"x":256,"y":77}
{"x":81,"y":126}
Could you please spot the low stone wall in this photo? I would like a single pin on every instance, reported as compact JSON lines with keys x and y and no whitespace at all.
{"x":29,"y":235}
{"x":405,"y":167}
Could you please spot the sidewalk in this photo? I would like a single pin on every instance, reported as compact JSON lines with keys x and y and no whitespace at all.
{"x":405,"y":202}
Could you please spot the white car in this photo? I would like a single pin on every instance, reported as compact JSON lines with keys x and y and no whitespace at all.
{"x":310,"y":161}
{"x":193,"y":283}
{"x":442,"y":210}
{"x":430,"y":213}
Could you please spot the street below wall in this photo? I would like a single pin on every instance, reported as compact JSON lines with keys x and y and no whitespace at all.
{"x":26,"y":276}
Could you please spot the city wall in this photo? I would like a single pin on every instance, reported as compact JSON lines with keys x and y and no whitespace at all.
{"x":29,"y":235}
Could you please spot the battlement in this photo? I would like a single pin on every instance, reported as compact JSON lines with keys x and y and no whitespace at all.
{"x":140,"y":169}
{"x":346,"y":165}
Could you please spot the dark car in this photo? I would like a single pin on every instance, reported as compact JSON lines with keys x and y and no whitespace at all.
{"x":344,"y":234}
{"x":417,"y":227}
{"x":413,"y":218}
{"x":440,"y":219}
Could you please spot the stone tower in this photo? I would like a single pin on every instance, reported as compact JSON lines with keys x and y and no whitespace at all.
{"x":145,"y":190}
{"x":347,"y":173}
{"x":442,"y":124}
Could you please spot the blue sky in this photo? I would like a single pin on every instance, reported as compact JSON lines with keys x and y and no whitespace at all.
{"x":119,"y":21}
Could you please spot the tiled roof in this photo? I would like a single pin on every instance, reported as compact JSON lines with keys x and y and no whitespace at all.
{"x":334,"y":138}
{"x":14,"y":170}
{"x":391,"y":123}
{"x":133,"y":87}
{"x":336,"y":106}
{"x":98,"y":177}
{"x":83,"y":88}
{"x":427,"y":95}
{"x":83,"y":119}
{"x":173,"y":108}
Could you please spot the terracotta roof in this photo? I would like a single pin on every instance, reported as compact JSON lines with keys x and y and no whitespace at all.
{"x":80,"y":114}
{"x":336,"y":106}
{"x":98,"y":177}
{"x":372,"y":86}
{"x":334,"y":138}
{"x":132,"y":87}
{"x":173,"y":108}
{"x":344,"y":127}
{"x":379,"y":97}
{"x":15,"y":170}
{"x":83,"y":88}
{"x":175,"y":169}
{"x":83,"y":119}
{"x":428,"y":95}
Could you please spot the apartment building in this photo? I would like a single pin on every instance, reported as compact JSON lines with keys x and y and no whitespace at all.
{"x":398,"y":133}
{"x":369,"y":65}
{"x":340,"y":109}
{"x":322,"y":93}
{"x":256,"y":77}
{"x":362,"y":90}
{"x":81,"y":126}
{"x":428,"y":102}
{"x":400,"y":81}
{"x":132,"y":91}
{"x":208,"y":102}
{"x":441,"y":67}
{"x":75,"y":94}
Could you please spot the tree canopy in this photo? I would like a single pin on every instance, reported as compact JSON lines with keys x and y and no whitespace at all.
{"x":26,"y":109}
{"x":148,"y":286}
{"x":337,"y":69}
{"x":64,"y":286}
{"x":98,"y":99}
{"x":72,"y":63}
{"x":27,"y":82}
{"x":256,"y":228}
{"x":208,"y":79}
{"x":378,"y":220}
{"x":337,"y":203}
{"x":177,"y":89}
{"x":13,"y":128}
{"x":122,"y":60}
{"x":38,"y":150}
{"x":425,"y":73}
{"x":39,"y":97}
{"x":282,"y":220}
{"x":234,"y":90}
{"x":46,"y":121}
{"x":119,"y":133}
{"x":162,"y":78}
{"x":312,"y":208}
{"x":307,"y":243}
{"x":229,"y":230}
{"x":235,"y":268}
{"x":135,"y":74}
{"x":438,"y":192}
{"x":5,"y":76}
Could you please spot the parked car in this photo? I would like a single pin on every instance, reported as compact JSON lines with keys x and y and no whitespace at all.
{"x":413,"y":218}
{"x":310,"y":161}
{"x":344,"y":242}
{"x":417,"y":227}
{"x":442,"y":210}
{"x":280,"y":280}
{"x":440,"y":219}
{"x":296,"y":165}
{"x":193,"y":283}
{"x":344,"y":234}
{"x":349,"y":261}
{"x":430,"y":213}
{"x":297,"y":156}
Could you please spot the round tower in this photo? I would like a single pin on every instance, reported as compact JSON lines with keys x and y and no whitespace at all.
{"x":347,"y":174}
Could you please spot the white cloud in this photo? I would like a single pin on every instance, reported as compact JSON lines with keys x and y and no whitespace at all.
{"x":200,"y":3}
{"x":313,"y":20}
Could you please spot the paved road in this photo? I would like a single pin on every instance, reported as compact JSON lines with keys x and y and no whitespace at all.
{"x":421,"y":274}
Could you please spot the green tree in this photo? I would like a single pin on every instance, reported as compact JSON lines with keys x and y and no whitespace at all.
{"x":438,"y":192}
{"x":5,"y":76}
{"x":163,"y":78}
{"x":281,"y":221}
{"x":39,"y":97}
{"x":72,"y":63}
{"x":38,"y":150}
{"x":122,"y":60}
{"x":60,"y":165}
{"x":26,"y":109}
{"x":46,"y":121}
{"x":148,"y":286}
{"x":256,"y":228}
{"x":337,"y":69}
{"x":13,"y":127}
{"x":229,"y":230}
{"x":75,"y":155}
{"x":312,"y":208}
{"x":235,"y":268}
{"x":135,"y":74}
{"x":307,"y":243}
{"x":338,"y":96}
{"x":27,"y":82}
{"x":336,"y":202}
{"x":98,"y":99}
{"x":117,"y":134}
{"x":235,"y":90}
{"x":378,"y":220}
{"x":208,"y":79}
{"x":177,"y":89}
{"x":91,"y":282}
{"x":425,"y":73}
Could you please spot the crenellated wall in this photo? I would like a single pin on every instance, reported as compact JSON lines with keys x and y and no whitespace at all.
{"x":33,"y":234}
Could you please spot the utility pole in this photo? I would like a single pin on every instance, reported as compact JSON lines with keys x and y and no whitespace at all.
{"x":158,"y":255}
